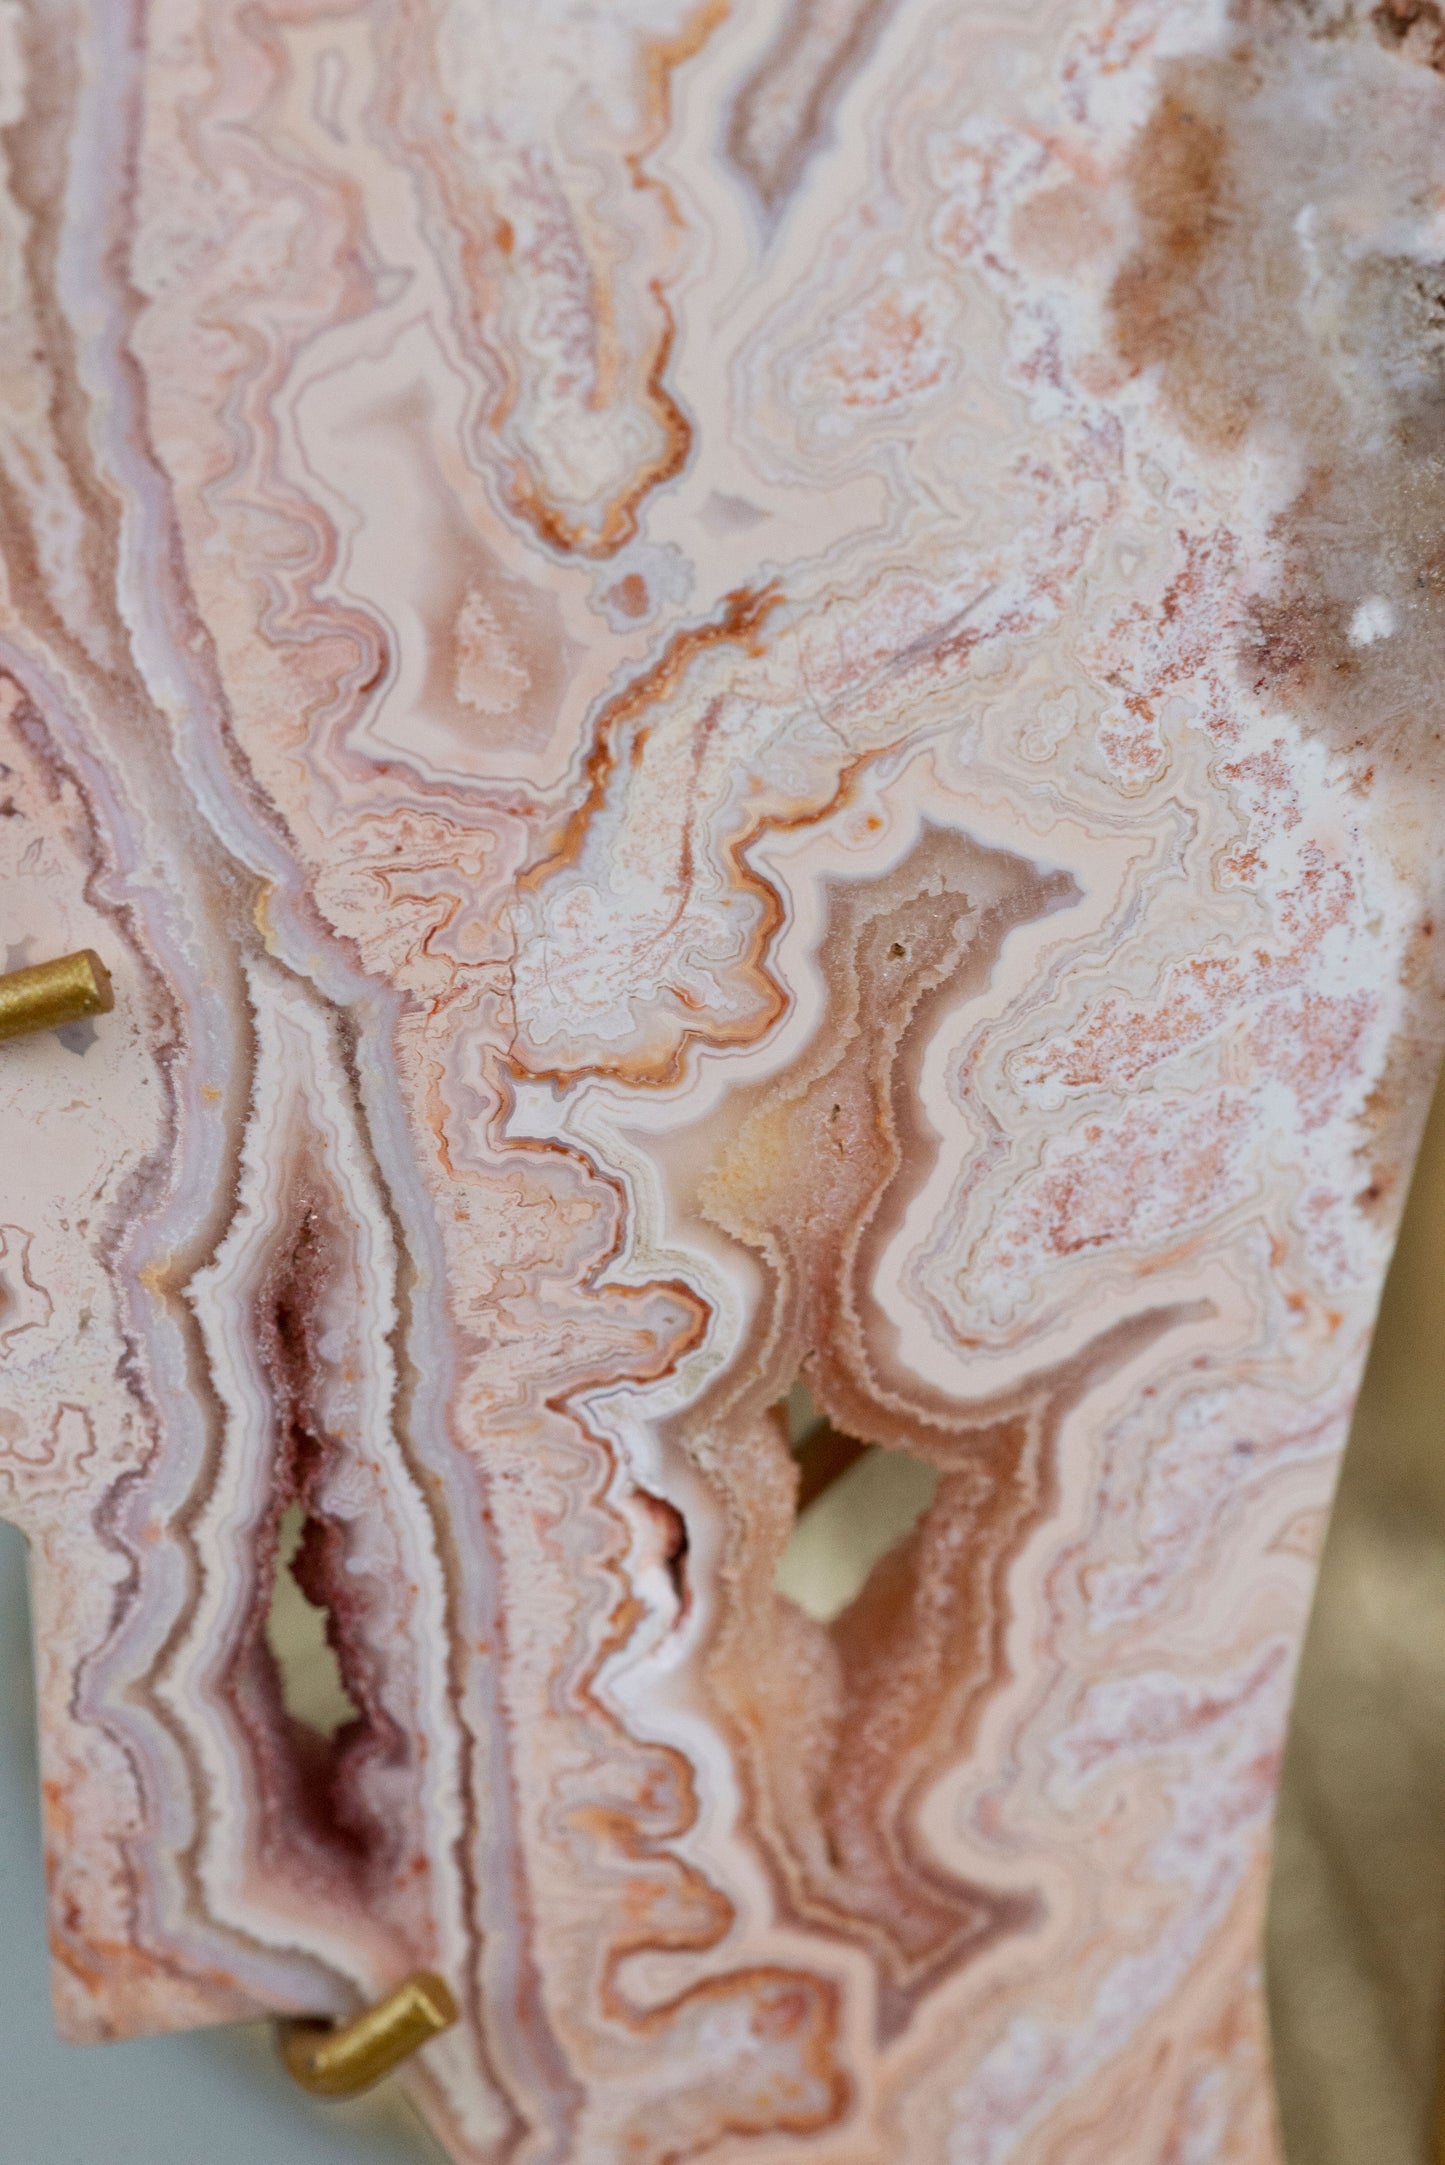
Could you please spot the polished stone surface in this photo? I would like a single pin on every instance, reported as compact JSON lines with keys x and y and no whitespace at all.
{"x":220,"y":2094}
{"x":746,"y":696}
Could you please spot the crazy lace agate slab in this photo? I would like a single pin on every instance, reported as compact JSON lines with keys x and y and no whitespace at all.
{"x":747,"y":696}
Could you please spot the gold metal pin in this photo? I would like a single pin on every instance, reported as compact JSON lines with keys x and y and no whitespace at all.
{"x":338,"y":2060}
{"x":54,"y":993}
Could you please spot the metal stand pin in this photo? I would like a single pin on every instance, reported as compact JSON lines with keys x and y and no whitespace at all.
{"x":337,"y":2060}
{"x":51,"y":994}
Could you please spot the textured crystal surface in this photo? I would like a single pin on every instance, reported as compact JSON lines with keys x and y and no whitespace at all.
{"x":746,"y":696}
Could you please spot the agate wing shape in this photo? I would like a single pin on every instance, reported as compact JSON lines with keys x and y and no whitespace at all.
{"x":746,"y":696}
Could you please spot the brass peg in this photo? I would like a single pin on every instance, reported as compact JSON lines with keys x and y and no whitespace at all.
{"x":51,"y":994}
{"x":337,"y":2060}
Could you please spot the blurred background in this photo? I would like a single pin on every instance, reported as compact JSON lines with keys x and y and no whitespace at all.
{"x":1357,"y":1908}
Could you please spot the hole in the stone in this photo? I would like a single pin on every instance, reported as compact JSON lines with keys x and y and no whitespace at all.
{"x":856,"y":1501}
{"x":312,"y":1688}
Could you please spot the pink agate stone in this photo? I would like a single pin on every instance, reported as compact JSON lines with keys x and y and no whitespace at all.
{"x":747,"y":696}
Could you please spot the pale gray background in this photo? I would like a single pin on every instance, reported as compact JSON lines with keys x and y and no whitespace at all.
{"x":213,"y":2097}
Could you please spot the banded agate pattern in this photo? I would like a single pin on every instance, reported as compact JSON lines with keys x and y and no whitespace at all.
{"x":747,"y":697}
